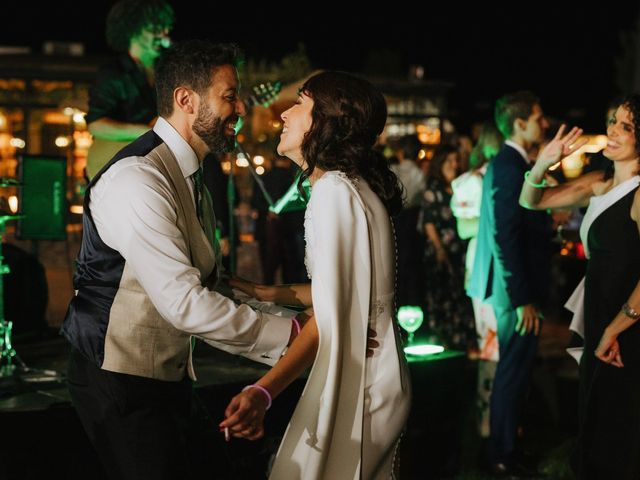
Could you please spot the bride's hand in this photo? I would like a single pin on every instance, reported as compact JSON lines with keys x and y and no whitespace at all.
{"x":244,"y":416}
{"x":264,"y":293}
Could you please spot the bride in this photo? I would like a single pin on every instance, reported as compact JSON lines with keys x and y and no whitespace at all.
{"x":350,"y":416}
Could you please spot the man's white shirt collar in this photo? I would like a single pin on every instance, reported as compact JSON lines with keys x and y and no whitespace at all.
{"x":186,"y":157}
{"x":519,"y":149}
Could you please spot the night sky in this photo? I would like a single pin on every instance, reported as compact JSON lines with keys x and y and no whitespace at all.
{"x":567,"y":56}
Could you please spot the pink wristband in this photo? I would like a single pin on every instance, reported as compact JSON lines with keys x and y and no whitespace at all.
{"x":296,"y":324}
{"x":263,"y":390}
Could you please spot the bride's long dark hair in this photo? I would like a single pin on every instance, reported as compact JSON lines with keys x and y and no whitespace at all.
{"x":348,"y":115}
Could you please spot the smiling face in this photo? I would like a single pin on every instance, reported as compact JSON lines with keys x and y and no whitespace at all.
{"x":621,"y":138}
{"x":450,"y":167}
{"x":297,"y":122}
{"x":219,"y":110}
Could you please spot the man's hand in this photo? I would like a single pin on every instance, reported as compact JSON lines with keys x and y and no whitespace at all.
{"x":528,"y":320}
{"x":371,"y":343}
{"x":264,"y":293}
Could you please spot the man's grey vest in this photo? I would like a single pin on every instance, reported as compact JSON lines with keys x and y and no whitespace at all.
{"x":111,"y":319}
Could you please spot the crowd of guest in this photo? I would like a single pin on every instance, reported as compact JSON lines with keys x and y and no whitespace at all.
{"x":473,"y":236}
{"x":475,"y":256}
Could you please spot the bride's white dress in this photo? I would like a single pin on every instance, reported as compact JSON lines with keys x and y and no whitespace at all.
{"x":351,"y":414}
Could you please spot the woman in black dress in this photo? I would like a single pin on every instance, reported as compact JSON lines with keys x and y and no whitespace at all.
{"x":609,"y":438}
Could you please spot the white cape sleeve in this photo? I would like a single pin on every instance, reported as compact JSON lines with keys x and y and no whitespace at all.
{"x":324,"y":436}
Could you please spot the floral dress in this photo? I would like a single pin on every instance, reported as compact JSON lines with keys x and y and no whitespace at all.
{"x":448,"y":313}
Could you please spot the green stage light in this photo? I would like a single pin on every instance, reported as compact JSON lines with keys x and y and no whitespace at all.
{"x":423,"y":350}
{"x":292,"y":200}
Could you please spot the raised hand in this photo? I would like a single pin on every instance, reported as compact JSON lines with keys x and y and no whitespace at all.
{"x":561,"y":146}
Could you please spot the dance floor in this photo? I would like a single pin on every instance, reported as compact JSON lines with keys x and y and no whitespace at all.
{"x":41,"y":437}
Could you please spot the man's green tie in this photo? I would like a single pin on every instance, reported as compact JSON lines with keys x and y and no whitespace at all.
{"x":197,"y":193}
{"x":206,"y":215}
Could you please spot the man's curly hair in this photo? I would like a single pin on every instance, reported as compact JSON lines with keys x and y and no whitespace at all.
{"x":191,"y":63}
{"x":128,"y":18}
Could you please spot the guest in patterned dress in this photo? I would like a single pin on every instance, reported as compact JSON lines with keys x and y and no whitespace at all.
{"x":448,"y":316}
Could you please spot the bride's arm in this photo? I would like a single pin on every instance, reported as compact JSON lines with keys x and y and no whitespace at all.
{"x":294,"y":294}
{"x":340,"y":235}
{"x":244,"y":414}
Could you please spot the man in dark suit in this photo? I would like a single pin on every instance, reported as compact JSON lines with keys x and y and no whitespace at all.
{"x":512,"y":270}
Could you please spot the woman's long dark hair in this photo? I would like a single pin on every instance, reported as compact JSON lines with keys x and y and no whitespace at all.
{"x":440,"y":156}
{"x":348,"y":115}
{"x":631,"y":103}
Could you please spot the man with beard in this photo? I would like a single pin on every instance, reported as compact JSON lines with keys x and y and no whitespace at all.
{"x":146,"y":272}
{"x":122,"y":101}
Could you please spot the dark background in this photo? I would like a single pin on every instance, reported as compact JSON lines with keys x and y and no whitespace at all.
{"x":567,"y":54}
